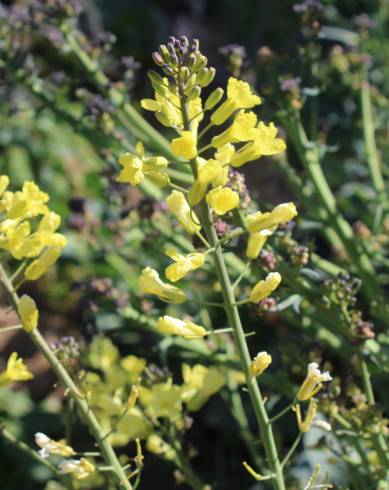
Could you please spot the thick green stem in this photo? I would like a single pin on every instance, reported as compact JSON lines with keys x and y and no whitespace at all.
{"x":236,"y":324}
{"x":309,"y":156}
{"x":243,"y":353}
{"x":370,"y":143}
{"x":379,"y":441}
{"x":106,"y":449}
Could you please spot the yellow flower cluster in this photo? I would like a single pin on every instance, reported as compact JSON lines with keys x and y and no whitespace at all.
{"x":28,"y":231}
{"x":16,"y":228}
{"x":137,"y":167}
{"x":109,"y":392}
{"x":244,"y":138}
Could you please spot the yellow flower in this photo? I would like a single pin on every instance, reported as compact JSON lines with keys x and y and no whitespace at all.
{"x":182,"y":328}
{"x":133,"y":425}
{"x":158,"y":446}
{"x":39,"y":266}
{"x":164,"y":400}
{"x":313,"y":382}
{"x":279,"y":215}
{"x":28,"y":313}
{"x":200,"y":383}
{"x":239,"y":96}
{"x":260,"y":363}
{"x":209,"y":172}
{"x":133,"y":366}
{"x":179,"y":206}
{"x":224,"y":154}
{"x":150,"y":283}
{"x":80,"y":469}
{"x":185,"y":145}
{"x":166,"y":107}
{"x":264,"y":288}
{"x":255,"y":243}
{"x":222,"y":199}
{"x":16,"y":371}
{"x":305,"y":425}
{"x":48,"y":446}
{"x":264,"y":143}
{"x":4,"y":183}
{"x":137,"y":167}
{"x":242,"y":129}
{"x":26,"y":203}
{"x":183,"y":264}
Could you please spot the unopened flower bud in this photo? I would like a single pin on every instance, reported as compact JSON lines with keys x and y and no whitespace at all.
{"x":194,"y":92}
{"x":261,"y":362}
{"x":157,"y":58}
{"x":205,"y":76}
{"x":213,"y":99}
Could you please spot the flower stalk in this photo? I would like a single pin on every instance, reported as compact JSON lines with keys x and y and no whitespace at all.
{"x":233,"y":316}
{"x":89,"y":417}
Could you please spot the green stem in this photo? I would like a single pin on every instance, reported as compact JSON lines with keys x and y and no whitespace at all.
{"x":238,"y":332}
{"x":239,"y":413}
{"x":292,"y":449}
{"x":243,"y":352}
{"x":106,"y":449}
{"x":370,"y":142}
{"x":281,"y":413}
{"x":309,"y":155}
{"x":379,"y":441}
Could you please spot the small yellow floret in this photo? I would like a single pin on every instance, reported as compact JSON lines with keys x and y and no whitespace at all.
{"x":222,"y":199}
{"x":185,"y":145}
{"x":28,"y":313}
{"x":264,"y":288}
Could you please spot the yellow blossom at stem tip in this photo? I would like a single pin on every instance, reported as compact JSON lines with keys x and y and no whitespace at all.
{"x":16,"y":371}
{"x":183,"y":264}
{"x":80,"y":469}
{"x":222,"y":199}
{"x":28,"y":313}
{"x":137,"y":167}
{"x":260,"y":363}
{"x":185,"y":145}
{"x":150,"y":283}
{"x":49,"y":446}
{"x":255,"y":243}
{"x":40,"y":265}
{"x":182,"y":328}
{"x":264,"y":288}
{"x":239,"y":96}
{"x":313,"y":382}
{"x":281,"y":214}
{"x":179,"y":206}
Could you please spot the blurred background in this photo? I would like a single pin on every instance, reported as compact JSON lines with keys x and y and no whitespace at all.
{"x":59,"y":128}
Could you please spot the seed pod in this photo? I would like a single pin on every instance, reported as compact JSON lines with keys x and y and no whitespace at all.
{"x":213,"y":99}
